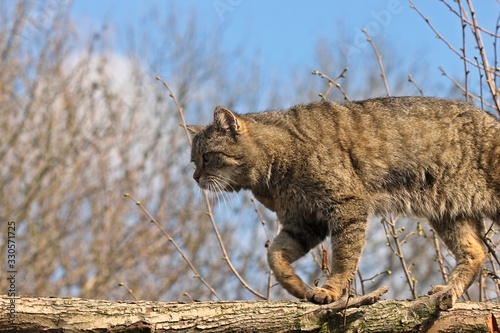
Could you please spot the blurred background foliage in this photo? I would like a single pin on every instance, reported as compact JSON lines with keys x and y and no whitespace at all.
{"x":84,"y":121}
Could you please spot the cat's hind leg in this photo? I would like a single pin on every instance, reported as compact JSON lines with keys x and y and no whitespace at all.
{"x":286,"y":248}
{"x":464,"y":238}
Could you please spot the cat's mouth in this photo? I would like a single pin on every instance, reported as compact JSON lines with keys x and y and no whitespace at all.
{"x":217,"y":184}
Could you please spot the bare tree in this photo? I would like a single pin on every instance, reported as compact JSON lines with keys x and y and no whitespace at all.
{"x":83,"y":123}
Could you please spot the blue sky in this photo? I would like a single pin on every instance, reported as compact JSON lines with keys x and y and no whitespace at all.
{"x":285,"y":33}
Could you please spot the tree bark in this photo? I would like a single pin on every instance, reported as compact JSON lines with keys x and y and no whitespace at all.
{"x":42,"y":314}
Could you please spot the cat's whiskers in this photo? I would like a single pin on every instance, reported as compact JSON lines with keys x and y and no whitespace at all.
{"x":217,"y":185}
{"x":223,"y":183}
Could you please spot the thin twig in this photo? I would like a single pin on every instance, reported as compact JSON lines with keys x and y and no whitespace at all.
{"x":493,"y":273}
{"x":188,"y":296}
{"x":269,"y":285}
{"x":372,"y":279}
{"x":390,"y":229}
{"x":267,"y":244}
{"x":405,"y":239}
{"x":331,"y":83}
{"x":438,"y":35}
{"x":325,"y":266}
{"x":439,"y":256}
{"x":481,"y":286}
{"x":322,"y":262}
{"x":349,"y":296}
{"x":379,"y":59}
{"x":491,"y":249}
{"x":411,"y":80}
{"x":178,"y":249}
{"x":207,"y":201}
{"x":121,"y":284}
{"x":480,"y":84}
{"x":459,"y":86}
{"x":476,"y":31}
{"x":361,"y":280}
{"x":488,"y":72}
{"x":326,"y":310}
{"x":466,"y":20}
{"x":495,"y":50}
{"x":464,"y":50}
{"x":261,"y":218}
{"x":179,"y":107}
{"x":224,"y":251}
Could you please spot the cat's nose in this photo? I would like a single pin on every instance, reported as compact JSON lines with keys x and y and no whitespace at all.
{"x":196,"y":176}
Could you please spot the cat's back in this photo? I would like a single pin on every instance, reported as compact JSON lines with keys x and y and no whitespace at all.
{"x":423,"y":124}
{"x":397,"y":119}
{"x":420,"y":110}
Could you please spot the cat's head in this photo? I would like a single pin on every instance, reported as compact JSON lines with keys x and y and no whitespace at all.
{"x":221,"y":153}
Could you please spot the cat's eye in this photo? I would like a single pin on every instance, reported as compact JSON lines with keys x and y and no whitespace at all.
{"x":216,"y":157}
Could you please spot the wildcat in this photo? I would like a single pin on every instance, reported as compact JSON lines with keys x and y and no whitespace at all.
{"x":325,"y":167}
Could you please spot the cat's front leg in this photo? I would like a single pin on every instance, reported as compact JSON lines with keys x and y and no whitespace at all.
{"x":286,"y":248}
{"x":348,"y":238}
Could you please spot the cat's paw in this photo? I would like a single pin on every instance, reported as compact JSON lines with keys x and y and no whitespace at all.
{"x":443,"y":297}
{"x":322,"y":296}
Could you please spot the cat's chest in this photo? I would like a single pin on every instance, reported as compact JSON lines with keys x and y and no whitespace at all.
{"x":266,"y":199}
{"x":287,"y":204}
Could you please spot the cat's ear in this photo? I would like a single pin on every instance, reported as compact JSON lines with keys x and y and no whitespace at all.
{"x":227,"y":120}
{"x":194,"y":129}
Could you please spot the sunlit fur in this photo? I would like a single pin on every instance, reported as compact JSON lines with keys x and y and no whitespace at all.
{"x":325,"y":167}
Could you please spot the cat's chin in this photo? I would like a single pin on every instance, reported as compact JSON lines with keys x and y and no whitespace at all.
{"x":229,"y":188}
{"x":234,"y":188}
